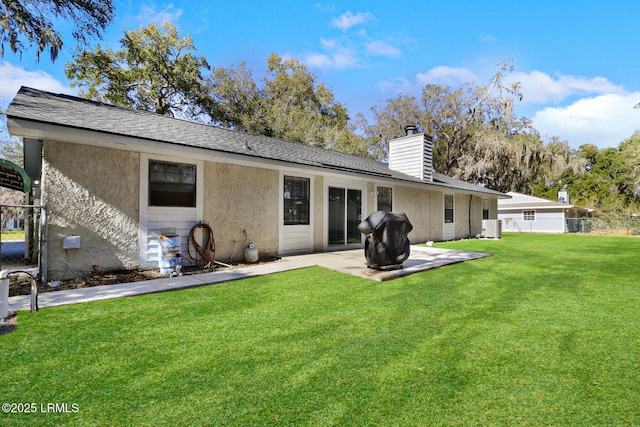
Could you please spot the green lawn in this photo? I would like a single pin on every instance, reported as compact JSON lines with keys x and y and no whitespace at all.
{"x":546,"y":332}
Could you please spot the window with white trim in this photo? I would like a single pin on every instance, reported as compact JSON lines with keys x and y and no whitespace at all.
{"x":448,"y":208}
{"x":172,"y":184}
{"x":529,"y":215}
{"x":485,"y":208}
{"x":296,"y":200}
{"x":385,"y":199}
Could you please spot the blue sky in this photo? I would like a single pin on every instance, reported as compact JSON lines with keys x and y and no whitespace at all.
{"x":577,"y":61}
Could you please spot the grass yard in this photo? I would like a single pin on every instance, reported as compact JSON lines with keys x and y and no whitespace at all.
{"x":546,"y":332}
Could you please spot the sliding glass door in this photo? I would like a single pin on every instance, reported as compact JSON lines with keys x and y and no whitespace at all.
{"x":345,"y":213}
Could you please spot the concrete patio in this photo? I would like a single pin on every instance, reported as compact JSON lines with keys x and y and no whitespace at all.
{"x":350,"y":262}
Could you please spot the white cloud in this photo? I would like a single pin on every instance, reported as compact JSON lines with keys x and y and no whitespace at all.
{"x":488,"y":38}
{"x":604,"y":115}
{"x":348,"y":20}
{"x":325,"y":7}
{"x":349,"y":51}
{"x":149,"y":14}
{"x":12,"y":77}
{"x":539,"y":88}
{"x":340,"y":59}
{"x":383,"y":49}
{"x":603,"y":120}
{"x":440,"y":75}
{"x":399,"y":86}
{"x":329,"y":44}
{"x":337,"y":56}
{"x":447,"y":76}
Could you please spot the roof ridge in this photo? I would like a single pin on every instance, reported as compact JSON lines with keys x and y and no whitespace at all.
{"x":75,"y":98}
{"x":71,"y":111}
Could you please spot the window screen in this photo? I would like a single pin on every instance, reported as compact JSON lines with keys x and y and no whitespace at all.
{"x":385,"y":199}
{"x":172,"y":184}
{"x":448,"y":208}
{"x":296,"y":200}
{"x":485,"y":209}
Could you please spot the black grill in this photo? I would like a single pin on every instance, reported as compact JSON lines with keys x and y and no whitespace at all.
{"x":387,"y":245}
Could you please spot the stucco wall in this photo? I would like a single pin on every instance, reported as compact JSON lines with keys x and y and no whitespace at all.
{"x":93,"y":193}
{"x":476,"y":215}
{"x":467,"y":206}
{"x":424,"y":210}
{"x":237,"y":198}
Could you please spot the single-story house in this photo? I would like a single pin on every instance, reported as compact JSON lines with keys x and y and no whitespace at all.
{"x":529,"y":214}
{"x":116,"y":179}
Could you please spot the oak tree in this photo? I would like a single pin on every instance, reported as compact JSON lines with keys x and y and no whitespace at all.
{"x":156,"y":70}
{"x":288,"y":102}
{"x":477,"y":137}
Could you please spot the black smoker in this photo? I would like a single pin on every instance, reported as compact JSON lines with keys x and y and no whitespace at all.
{"x":386,"y":246}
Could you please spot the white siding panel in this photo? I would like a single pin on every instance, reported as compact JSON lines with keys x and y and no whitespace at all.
{"x":295,"y":239}
{"x":411,"y":155}
{"x":546,"y":221}
{"x":449,"y":231}
{"x":406,"y":157}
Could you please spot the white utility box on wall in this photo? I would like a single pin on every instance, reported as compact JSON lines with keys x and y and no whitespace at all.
{"x":70,"y":242}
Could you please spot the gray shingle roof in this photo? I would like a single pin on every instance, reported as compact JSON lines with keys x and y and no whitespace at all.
{"x":65,"y":110}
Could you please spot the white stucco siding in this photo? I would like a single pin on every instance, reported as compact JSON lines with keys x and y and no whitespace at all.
{"x":416,"y":205}
{"x":467,"y":215}
{"x":238,"y":198}
{"x":423,"y":211}
{"x":546,"y":221}
{"x":101,"y":194}
{"x":90,"y":192}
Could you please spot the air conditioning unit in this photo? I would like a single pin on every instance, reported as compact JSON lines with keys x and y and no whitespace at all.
{"x":492,"y":228}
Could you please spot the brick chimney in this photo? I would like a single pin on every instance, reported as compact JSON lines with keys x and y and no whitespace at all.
{"x":412,"y":154}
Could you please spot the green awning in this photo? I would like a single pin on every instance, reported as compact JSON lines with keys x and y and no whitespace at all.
{"x":14,"y":177}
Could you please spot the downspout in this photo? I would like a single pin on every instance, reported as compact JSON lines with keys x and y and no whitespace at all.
{"x":430,"y":236}
{"x":470,"y":203}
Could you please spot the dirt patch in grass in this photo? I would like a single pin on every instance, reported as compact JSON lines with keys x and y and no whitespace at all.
{"x":9,"y":324}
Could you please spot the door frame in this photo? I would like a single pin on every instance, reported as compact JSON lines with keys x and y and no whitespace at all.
{"x":347,"y":185}
{"x":287,"y":232}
